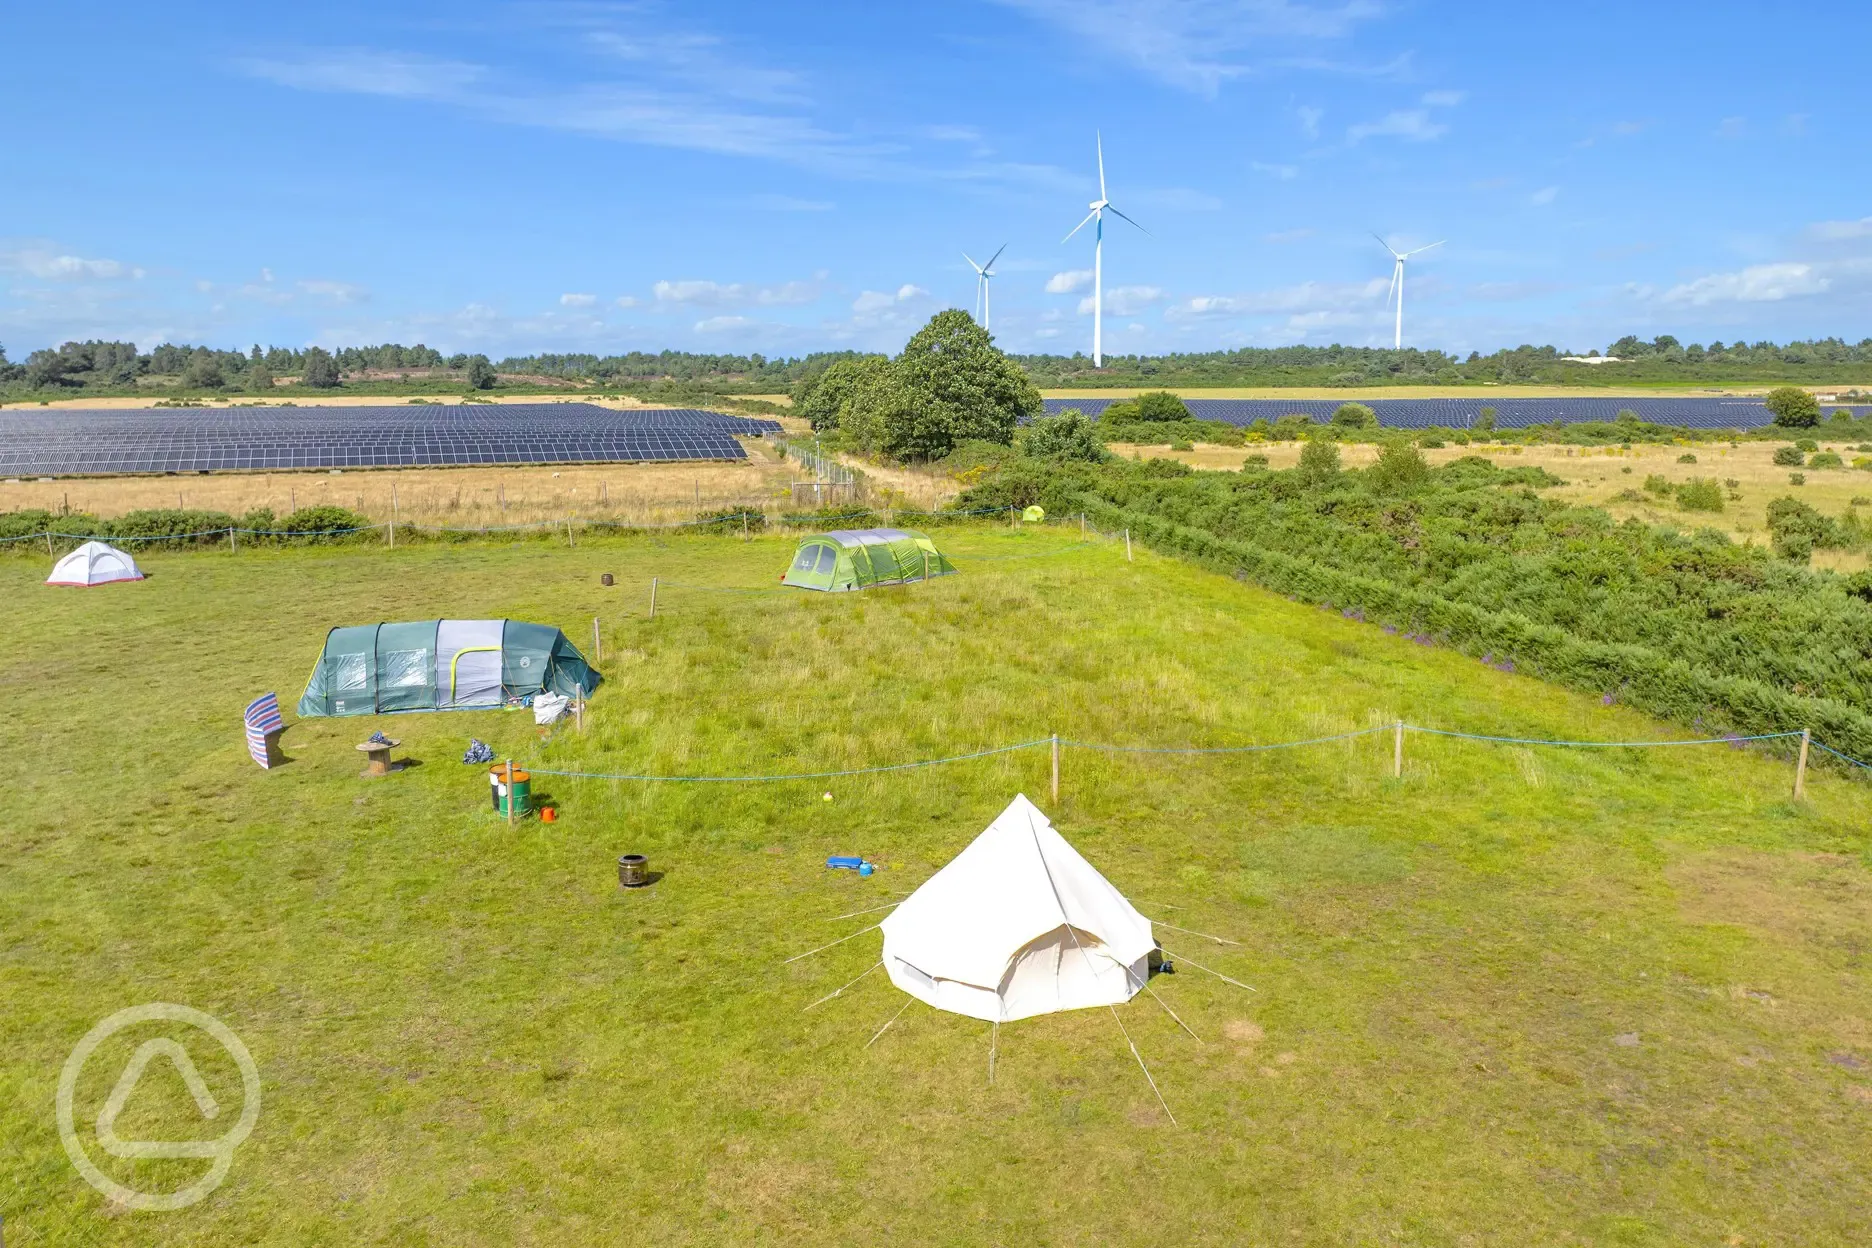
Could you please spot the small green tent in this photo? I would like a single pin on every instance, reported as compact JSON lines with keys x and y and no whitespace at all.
{"x":441,"y":665}
{"x":860,"y":558}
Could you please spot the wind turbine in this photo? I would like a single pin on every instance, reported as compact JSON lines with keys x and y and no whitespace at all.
{"x":1100,"y":207}
{"x":1397,"y":283}
{"x":982,"y":273}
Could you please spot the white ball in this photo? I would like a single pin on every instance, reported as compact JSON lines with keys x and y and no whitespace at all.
{"x":828,"y":797}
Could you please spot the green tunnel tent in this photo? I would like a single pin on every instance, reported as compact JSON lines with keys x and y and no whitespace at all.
{"x":860,"y":558}
{"x":441,"y":665}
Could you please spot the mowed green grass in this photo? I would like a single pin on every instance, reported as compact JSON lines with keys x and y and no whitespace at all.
{"x":470,"y":1034}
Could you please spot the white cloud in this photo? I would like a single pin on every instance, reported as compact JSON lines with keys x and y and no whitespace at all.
{"x":722,"y":324}
{"x":337,"y":292}
{"x":1288,"y":236}
{"x":871,"y":301}
{"x":787,"y":203}
{"x":1125,"y":300}
{"x":627,"y":301}
{"x":1411,"y":124}
{"x":1546,"y":195}
{"x":1198,"y":44}
{"x":1306,"y":298}
{"x":1283,"y":173}
{"x":954,"y":134}
{"x":1068,"y":282}
{"x":577,"y":301}
{"x":362,"y":71}
{"x":1310,"y":120}
{"x":1732,"y":128}
{"x":52,"y":266}
{"x":1841,"y":231}
{"x":1444,"y":99}
{"x":717,"y":294}
{"x":1759,"y":283}
{"x":266,"y":275}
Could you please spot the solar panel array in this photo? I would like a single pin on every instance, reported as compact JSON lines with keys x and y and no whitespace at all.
{"x":65,"y":441}
{"x":1689,"y":413}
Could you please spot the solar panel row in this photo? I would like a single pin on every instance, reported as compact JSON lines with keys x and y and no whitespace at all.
{"x":1690,"y":413}
{"x":63,"y":441}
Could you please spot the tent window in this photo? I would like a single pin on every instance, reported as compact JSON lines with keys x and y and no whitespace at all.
{"x":404,"y":669}
{"x":349,"y":672}
{"x":826,"y":558}
{"x":805,"y":560}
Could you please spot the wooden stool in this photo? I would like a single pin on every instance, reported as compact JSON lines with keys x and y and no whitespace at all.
{"x":378,"y":753}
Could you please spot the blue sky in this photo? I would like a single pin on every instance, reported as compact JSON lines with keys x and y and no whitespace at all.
{"x":785,"y":178}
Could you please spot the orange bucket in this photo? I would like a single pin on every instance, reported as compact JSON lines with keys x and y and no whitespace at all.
{"x":549,"y":814}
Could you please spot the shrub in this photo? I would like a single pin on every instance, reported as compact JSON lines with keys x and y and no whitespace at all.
{"x":1354,"y":416}
{"x":1629,"y":496}
{"x":1178,"y":444}
{"x":1806,"y":444}
{"x":1686,"y":458}
{"x":1159,"y":405}
{"x":1699,"y":494}
{"x":1732,"y":483}
{"x":1826,"y":459}
{"x":1069,"y":435}
{"x":1860,"y":500}
{"x":1400,"y":468}
{"x":1797,"y":478}
{"x":1789,"y":457}
{"x":1795,"y":529}
{"x":1431,"y":442}
{"x":1319,"y":459}
{"x":728,"y":520}
{"x":1254,"y":461}
{"x":1485,"y":422}
{"x":1793,"y":407}
{"x":324,"y":524}
{"x":1658,"y":485}
{"x":1293,"y":427}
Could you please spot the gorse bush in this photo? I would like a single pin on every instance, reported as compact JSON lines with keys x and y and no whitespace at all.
{"x":1658,"y":485}
{"x":1069,"y":435}
{"x":1789,"y":457}
{"x":1699,"y":494}
{"x":1826,"y":459}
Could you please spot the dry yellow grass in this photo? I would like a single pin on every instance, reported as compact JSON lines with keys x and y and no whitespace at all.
{"x":1482,"y":395}
{"x":470,"y":497}
{"x":1595,"y":476}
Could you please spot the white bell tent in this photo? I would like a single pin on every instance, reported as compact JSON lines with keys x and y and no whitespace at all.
{"x":94,"y":563}
{"x":1018,"y":924}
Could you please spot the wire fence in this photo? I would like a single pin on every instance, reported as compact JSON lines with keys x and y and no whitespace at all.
{"x":1059,"y":744}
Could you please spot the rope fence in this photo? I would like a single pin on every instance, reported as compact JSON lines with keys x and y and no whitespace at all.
{"x":1060,"y":744}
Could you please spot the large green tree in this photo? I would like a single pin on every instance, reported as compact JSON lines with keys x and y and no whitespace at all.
{"x":1793,"y":407}
{"x":826,"y":398}
{"x":320,"y":370}
{"x":954,"y":386}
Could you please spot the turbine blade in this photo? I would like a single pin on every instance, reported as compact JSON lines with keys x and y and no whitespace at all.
{"x":972,"y":264}
{"x":1438,"y":243}
{"x":1395,"y":270}
{"x":1081,"y":225}
{"x":1100,"y":139}
{"x":995,"y":257}
{"x":1387,"y":246}
{"x":1115,"y":212}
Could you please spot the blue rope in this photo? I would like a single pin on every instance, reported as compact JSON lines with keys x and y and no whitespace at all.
{"x":810,"y":775}
{"x":1227,"y":749}
{"x":1599,"y":745}
{"x":1038,"y":554}
{"x":1847,"y":758}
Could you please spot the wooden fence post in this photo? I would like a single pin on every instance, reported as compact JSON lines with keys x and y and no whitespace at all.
{"x":1127,"y":545}
{"x":1800,"y":767}
{"x":578,"y":706}
{"x":48,"y":541}
{"x":1056,"y":769}
{"x":510,"y":793}
{"x":232,"y":548}
{"x":393,"y":515}
{"x":1397,"y":752}
{"x":597,"y":642}
{"x":569,"y":541}
{"x":653,"y":589}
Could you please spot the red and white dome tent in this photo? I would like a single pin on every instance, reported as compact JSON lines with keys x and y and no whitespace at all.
{"x":94,"y":563}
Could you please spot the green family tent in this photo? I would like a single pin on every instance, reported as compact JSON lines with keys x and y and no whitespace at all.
{"x":441,"y":665}
{"x":860,"y":558}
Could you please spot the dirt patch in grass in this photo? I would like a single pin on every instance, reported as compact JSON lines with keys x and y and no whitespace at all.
{"x":1820,"y":900}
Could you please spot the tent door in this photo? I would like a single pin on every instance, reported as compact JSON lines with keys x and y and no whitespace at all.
{"x":475,"y":677}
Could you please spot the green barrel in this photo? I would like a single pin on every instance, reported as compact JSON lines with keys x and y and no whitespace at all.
{"x":522,"y":791}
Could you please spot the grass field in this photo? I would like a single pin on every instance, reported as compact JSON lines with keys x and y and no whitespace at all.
{"x":1520,"y":996}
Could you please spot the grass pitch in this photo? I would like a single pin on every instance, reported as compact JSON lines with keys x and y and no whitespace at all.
{"x":1522,"y":995}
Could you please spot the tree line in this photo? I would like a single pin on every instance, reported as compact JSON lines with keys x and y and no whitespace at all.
{"x":100,"y":365}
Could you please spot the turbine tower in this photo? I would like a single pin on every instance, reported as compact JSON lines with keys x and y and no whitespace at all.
{"x":1100,"y":207}
{"x":1397,"y":284}
{"x":982,"y":273}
